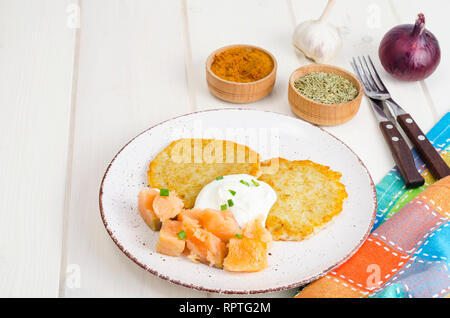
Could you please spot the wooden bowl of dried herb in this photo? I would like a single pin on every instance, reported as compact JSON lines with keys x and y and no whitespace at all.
{"x":324,"y":94}
{"x":241,"y":73}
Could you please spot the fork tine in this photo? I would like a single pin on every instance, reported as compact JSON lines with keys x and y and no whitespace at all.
{"x":370,"y":77}
{"x":352,"y":63}
{"x":376,"y":73}
{"x":356,"y":69}
{"x":364,"y":75}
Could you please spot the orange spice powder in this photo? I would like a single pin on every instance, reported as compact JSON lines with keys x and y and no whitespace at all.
{"x":242,"y":65}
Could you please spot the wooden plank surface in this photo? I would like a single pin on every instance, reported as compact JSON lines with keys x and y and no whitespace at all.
{"x":36,"y":62}
{"x":138,"y":63}
{"x":131,"y":76}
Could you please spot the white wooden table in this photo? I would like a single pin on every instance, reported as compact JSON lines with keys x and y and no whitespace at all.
{"x":78,"y":79}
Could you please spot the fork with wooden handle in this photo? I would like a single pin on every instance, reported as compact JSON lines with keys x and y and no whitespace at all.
{"x":398,"y":146}
{"x":377,"y":90}
{"x":428,"y":153}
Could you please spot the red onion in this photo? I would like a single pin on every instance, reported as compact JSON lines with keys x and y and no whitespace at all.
{"x":410,"y":52}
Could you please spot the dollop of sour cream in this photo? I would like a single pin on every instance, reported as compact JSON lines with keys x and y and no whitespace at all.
{"x":245,"y":196}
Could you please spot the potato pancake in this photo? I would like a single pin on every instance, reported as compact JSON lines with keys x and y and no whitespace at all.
{"x":309,"y":195}
{"x":187,"y":165}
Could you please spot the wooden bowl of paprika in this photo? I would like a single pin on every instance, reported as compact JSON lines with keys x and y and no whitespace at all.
{"x":240,"y":73}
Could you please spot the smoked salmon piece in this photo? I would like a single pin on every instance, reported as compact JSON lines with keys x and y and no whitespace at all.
{"x":248,"y":253}
{"x":167,"y":207}
{"x":245,"y":255}
{"x":206,"y":248}
{"x":170,"y":240}
{"x":220,"y":223}
{"x":190,"y":220}
{"x":256,"y":230}
{"x":194,"y":214}
{"x":145,"y":208}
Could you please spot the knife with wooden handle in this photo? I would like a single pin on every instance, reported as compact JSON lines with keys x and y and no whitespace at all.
{"x":399,"y":148}
{"x":435,"y":163}
{"x":430,"y":156}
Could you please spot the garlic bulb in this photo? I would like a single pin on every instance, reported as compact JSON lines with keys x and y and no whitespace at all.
{"x":317,"y":39}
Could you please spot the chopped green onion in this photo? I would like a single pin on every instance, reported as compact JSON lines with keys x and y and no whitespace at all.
{"x":255,"y":183}
{"x":244,"y":182}
{"x":181,"y":235}
{"x":230,"y":203}
{"x":219,"y":178}
{"x":232,"y":192}
{"x":239,"y":236}
{"x":164,"y":192}
{"x":223,"y":207}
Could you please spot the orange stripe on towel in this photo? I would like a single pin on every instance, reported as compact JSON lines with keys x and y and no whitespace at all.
{"x":437,"y":195}
{"x":373,"y":265}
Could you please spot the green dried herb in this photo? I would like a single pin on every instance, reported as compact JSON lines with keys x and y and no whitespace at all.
{"x":244,"y":182}
{"x":181,"y":235}
{"x":164,"y":192}
{"x":326,"y":88}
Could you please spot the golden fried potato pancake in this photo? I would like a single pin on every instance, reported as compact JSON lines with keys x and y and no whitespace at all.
{"x":309,"y":195}
{"x":187,"y":165}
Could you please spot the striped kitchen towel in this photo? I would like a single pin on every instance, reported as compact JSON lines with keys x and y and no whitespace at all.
{"x":408,"y":251}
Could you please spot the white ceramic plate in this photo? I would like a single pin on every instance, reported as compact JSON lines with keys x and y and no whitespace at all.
{"x":291,"y":264}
